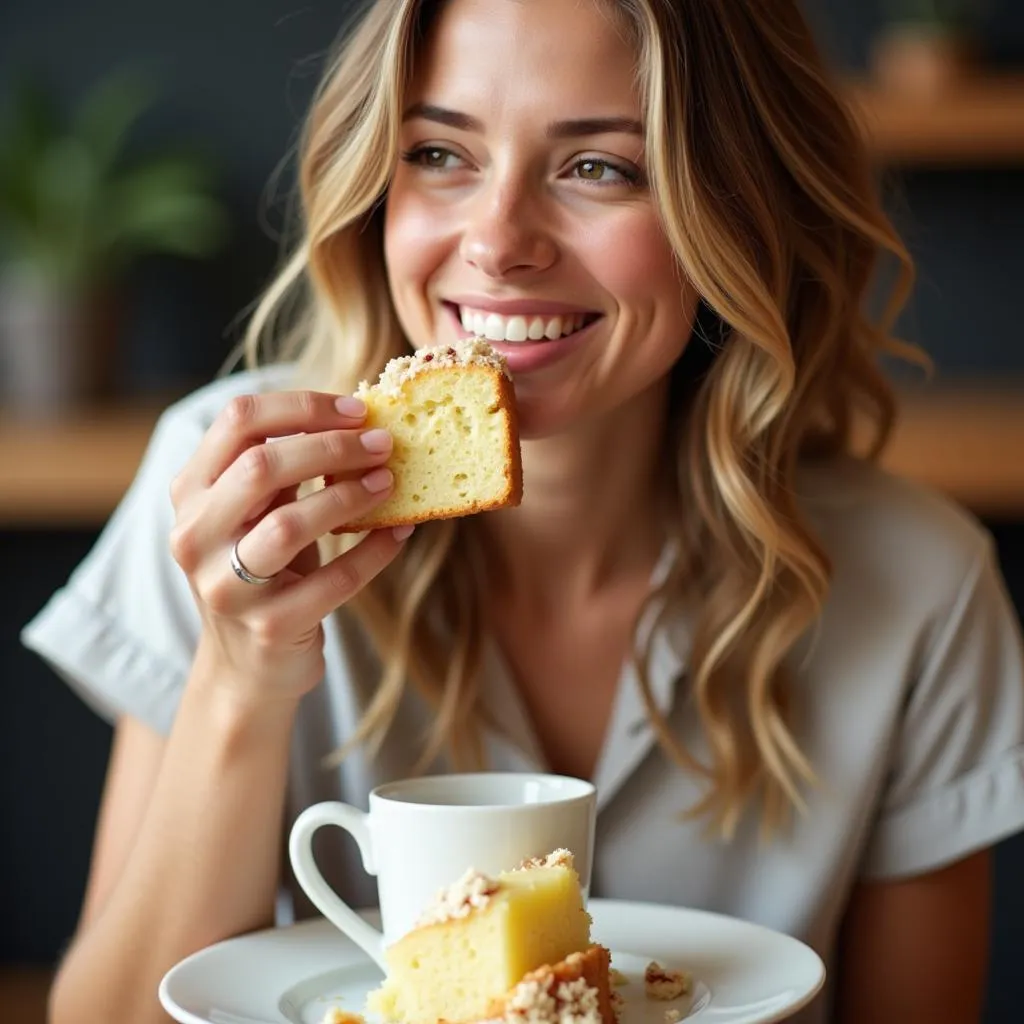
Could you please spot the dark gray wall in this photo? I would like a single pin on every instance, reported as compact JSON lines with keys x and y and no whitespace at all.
{"x":238,"y":73}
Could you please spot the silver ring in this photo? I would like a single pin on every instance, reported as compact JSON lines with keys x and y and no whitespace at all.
{"x":242,"y":573}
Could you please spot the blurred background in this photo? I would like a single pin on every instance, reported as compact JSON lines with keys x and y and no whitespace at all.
{"x":144,"y":180}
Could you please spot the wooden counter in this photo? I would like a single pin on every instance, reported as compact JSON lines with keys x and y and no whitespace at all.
{"x":968,"y":443}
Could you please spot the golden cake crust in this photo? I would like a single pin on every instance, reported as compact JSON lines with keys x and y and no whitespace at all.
{"x":593,"y":965}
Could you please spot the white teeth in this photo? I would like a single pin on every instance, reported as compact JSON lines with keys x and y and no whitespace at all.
{"x":515,"y":329}
{"x":495,"y":327}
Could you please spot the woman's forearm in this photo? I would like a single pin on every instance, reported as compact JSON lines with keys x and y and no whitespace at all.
{"x":204,"y":866}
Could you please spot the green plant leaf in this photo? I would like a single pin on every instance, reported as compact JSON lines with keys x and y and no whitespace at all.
{"x":29,"y":125}
{"x":942,"y":13}
{"x":159,"y":175}
{"x":70,"y":203}
{"x":182,"y":222}
{"x":109,"y":111}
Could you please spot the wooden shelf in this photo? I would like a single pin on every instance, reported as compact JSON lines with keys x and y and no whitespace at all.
{"x":70,"y":472}
{"x":978,"y":122}
{"x":966,"y":442}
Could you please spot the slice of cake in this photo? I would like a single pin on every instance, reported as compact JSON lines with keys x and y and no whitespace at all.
{"x":451,"y":412}
{"x":480,"y":939}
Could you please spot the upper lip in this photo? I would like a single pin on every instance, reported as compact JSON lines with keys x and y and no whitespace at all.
{"x":511,"y":307}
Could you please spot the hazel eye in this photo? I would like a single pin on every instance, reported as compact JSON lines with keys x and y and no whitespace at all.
{"x":434,"y":158}
{"x":604,"y":172}
{"x":592,"y":170}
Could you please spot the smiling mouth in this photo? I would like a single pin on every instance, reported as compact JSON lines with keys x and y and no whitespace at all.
{"x":521,"y":327}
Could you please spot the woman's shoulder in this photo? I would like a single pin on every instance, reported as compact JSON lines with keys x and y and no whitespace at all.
{"x":873,"y":523}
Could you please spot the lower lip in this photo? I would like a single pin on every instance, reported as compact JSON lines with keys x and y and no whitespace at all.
{"x":528,"y":356}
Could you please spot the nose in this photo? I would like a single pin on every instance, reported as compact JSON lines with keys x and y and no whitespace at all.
{"x":504,"y":233}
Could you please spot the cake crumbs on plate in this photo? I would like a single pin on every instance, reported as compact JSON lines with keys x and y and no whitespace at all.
{"x":663,"y":984}
{"x":472,"y":891}
{"x":672,"y":1015}
{"x":572,"y":1002}
{"x":618,"y":979}
{"x":335,"y":1015}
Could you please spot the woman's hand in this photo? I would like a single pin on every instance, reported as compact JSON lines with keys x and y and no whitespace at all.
{"x":265,"y":642}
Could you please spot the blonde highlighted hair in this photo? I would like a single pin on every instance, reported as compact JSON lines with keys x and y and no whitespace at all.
{"x":768,"y":200}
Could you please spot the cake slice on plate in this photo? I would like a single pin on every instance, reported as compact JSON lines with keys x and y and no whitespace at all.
{"x":505,"y":947}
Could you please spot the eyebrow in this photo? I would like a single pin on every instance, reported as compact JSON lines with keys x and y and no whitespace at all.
{"x":556,"y":130}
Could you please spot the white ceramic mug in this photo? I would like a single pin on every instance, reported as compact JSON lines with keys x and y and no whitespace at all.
{"x":421,"y":835}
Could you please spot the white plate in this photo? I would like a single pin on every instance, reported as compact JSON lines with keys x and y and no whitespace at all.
{"x":744,"y":974}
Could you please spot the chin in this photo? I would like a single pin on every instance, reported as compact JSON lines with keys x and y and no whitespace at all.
{"x":538,"y":419}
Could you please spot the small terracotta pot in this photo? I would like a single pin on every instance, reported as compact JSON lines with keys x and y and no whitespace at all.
{"x":921,"y":60}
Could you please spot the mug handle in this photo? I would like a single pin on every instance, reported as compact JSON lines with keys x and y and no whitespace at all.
{"x":324,"y":898}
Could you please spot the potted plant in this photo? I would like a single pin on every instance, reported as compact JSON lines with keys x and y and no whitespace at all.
{"x":75,"y":210}
{"x":925,"y":45}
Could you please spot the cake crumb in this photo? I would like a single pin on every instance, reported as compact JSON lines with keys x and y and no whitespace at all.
{"x":672,"y":1015}
{"x":472,"y":891}
{"x":618,"y":979}
{"x":466,"y":352}
{"x":533,"y":1002}
{"x":560,"y":858}
{"x":663,"y":984}
{"x":335,"y":1015}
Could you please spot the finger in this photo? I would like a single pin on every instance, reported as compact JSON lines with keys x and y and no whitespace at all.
{"x":330,"y":586}
{"x":279,"y":537}
{"x":251,"y":419}
{"x":253,"y":481}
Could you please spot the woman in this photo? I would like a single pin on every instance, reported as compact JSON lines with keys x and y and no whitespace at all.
{"x":827,"y":672}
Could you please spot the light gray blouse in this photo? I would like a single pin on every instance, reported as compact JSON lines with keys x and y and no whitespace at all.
{"x":911,"y":689}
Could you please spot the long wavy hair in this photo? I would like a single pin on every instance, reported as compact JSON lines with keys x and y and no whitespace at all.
{"x":769,"y":201}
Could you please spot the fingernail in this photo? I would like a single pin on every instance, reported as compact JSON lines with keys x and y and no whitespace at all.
{"x":377,"y":480}
{"x":403,"y":532}
{"x":376,"y":441}
{"x":348,"y":406}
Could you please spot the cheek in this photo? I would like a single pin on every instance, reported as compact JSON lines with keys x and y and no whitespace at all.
{"x":634,"y":262}
{"x":414,"y":242}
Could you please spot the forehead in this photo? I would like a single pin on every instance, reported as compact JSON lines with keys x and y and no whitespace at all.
{"x":507,"y":52}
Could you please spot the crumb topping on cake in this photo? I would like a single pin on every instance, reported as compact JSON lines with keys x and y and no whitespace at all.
{"x":560,"y":858}
{"x":663,"y":984}
{"x":466,"y":352}
{"x":472,"y":891}
{"x":537,"y":1001}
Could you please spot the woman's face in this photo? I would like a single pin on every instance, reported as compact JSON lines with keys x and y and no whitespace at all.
{"x":520,"y":208}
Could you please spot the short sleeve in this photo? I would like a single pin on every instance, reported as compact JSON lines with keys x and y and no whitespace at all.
{"x":956,"y":783}
{"x":123,"y":630}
